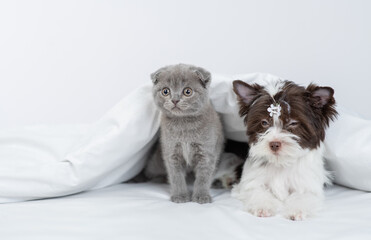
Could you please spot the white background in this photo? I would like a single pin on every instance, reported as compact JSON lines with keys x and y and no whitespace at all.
{"x":70,"y":61}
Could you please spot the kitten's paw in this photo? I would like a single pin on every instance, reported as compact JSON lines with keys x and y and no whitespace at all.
{"x":180,"y":198}
{"x":201,"y":199}
{"x":262,"y":212}
{"x":296,"y":215}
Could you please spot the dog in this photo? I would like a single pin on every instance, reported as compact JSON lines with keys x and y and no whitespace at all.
{"x":284,"y":171}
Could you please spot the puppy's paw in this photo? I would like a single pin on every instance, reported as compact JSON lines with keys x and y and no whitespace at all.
{"x":296,"y":215}
{"x":201,"y":198}
{"x":298,"y":207}
{"x":180,"y":198}
{"x":262,"y":207}
{"x":262,"y":212}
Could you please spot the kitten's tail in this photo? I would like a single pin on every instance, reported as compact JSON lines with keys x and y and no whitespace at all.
{"x":154,"y":170}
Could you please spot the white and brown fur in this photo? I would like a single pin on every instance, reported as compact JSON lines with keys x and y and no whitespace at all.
{"x":284,"y":170}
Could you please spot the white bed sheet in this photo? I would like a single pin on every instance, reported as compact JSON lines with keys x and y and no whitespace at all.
{"x":143,"y":211}
{"x":51,"y":161}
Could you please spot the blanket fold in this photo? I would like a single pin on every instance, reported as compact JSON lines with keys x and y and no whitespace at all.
{"x":43,"y":162}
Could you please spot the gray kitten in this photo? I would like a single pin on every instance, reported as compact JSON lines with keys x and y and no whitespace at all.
{"x":191,"y":137}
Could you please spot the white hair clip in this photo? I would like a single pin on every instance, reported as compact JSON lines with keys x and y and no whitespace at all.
{"x":274,"y":109}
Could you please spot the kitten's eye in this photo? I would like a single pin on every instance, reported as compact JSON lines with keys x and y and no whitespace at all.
{"x":187,"y":92}
{"x":165,"y":92}
{"x":265,"y":123}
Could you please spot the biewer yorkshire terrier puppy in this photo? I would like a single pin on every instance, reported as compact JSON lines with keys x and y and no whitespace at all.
{"x":286,"y":126}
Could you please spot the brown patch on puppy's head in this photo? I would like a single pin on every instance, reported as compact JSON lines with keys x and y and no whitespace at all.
{"x":304,"y":113}
{"x":246,"y":94}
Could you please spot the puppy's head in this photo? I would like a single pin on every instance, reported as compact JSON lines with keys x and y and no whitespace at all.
{"x":284,"y":121}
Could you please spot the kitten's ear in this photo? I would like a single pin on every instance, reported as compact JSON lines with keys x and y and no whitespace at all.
{"x":204,"y":76}
{"x":155,"y":75}
{"x":246,"y":93}
{"x":319,"y":97}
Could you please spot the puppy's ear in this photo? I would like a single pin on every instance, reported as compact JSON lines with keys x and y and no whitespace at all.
{"x":204,"y":76}
{"x":319,"y":97}
{"x":246,"y":93}
{"x":322,"y":101}
{"x":154,"y":76}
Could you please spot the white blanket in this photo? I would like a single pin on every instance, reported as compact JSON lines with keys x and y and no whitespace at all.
{"x":143,"y":212}
{"x":45,"y":162}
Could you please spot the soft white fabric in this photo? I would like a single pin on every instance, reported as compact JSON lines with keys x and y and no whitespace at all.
{"x":348,"y":151}
{"x":143,"y":211}
{"x":50,"y":162}
{"x":55,"y":161}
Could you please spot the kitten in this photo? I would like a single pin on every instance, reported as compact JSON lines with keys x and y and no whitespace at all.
{"x":191,"y":137}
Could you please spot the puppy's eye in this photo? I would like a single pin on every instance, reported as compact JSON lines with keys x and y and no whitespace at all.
{"x":187,"y":91}
{"x":165,"y":92}
{"x":265,"y":123}
{"x":293,"y":124}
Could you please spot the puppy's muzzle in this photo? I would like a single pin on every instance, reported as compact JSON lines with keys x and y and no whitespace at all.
{"x":275,"y":146}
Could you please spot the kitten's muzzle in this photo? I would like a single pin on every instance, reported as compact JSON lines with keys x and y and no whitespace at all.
{"x":275,"y":146}
{"x":175,"y":102}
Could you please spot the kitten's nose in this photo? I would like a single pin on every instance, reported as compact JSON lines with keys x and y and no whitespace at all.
{"x":275,"y":146}
{"x":175,"y":101}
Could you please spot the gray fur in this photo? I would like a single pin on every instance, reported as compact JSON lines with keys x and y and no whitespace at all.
{"x":224,"y":177}
{"x":191,"y":136}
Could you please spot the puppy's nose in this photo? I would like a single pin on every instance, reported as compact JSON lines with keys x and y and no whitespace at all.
{"x":275,"y":146}
{"x":175,"y":101}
